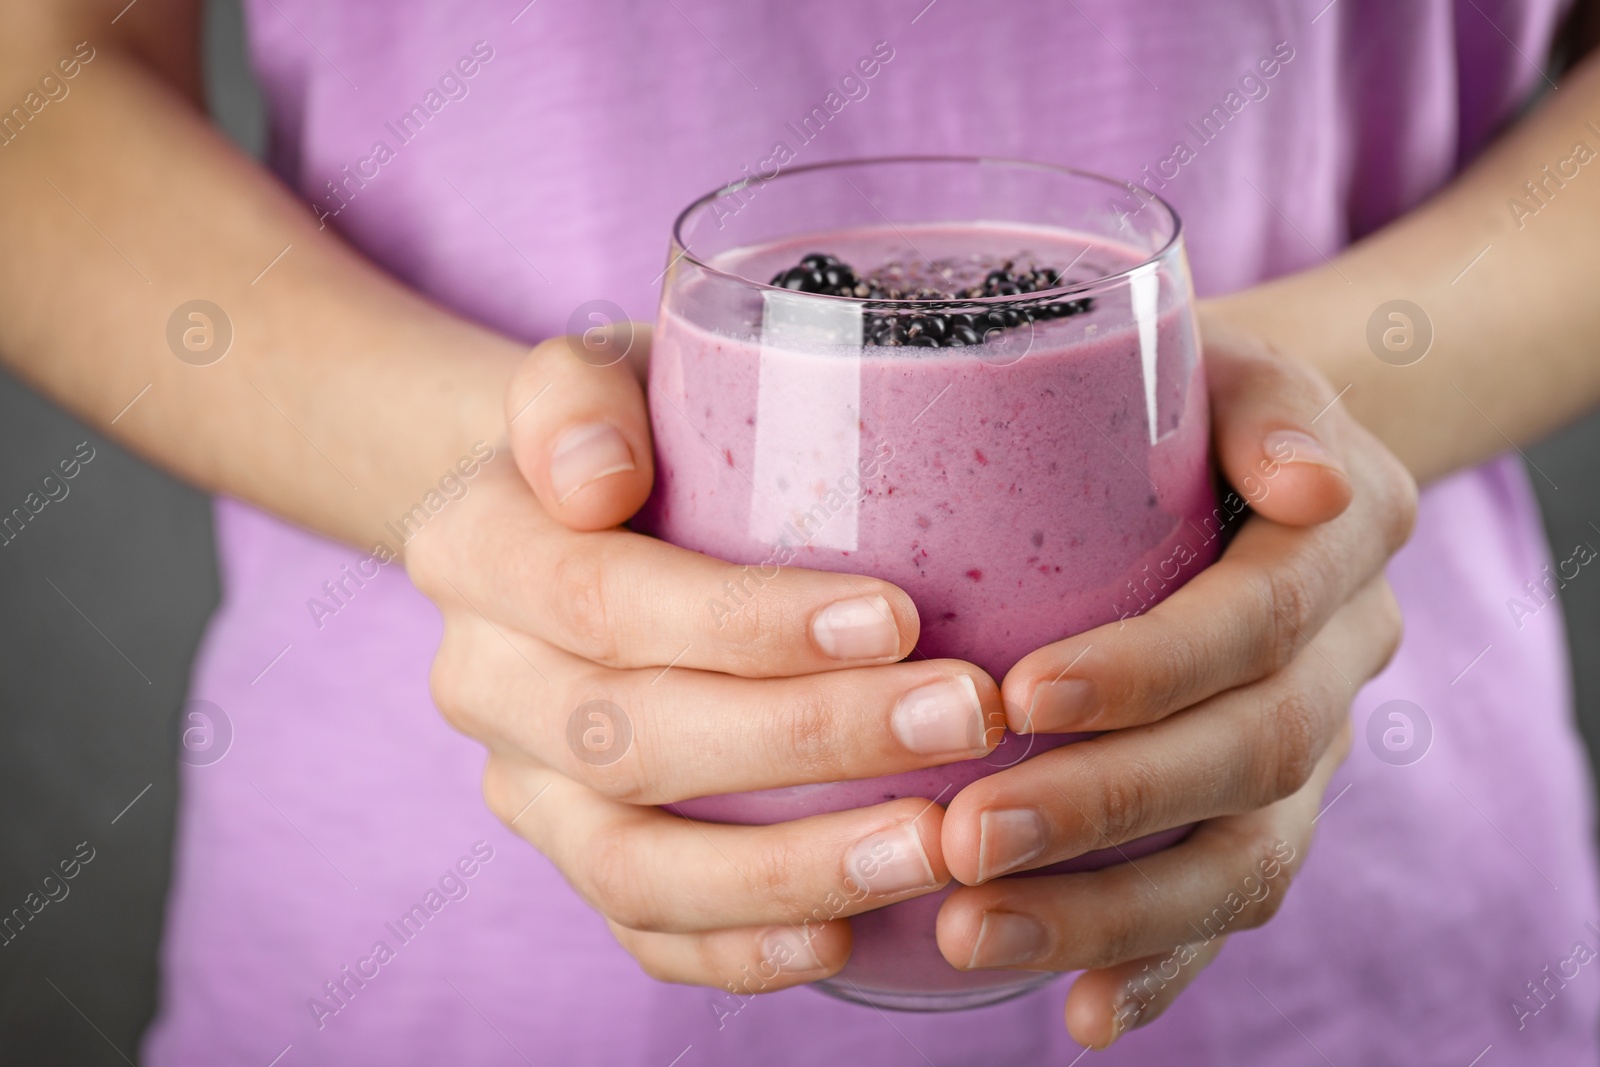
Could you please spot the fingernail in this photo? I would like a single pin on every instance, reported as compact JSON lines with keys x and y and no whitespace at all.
{"x":940,"y":719}
{"x":891,"y":861}
{"x":1006,"y":939}
{"x":1058,"y":705}
{"x":1007,"y":839}
{"x":585,"y":454}
{"x":859,"y":628}
{"x":1127,"y":1011}
{"x":788,"y":950}
{"x":1292,"y":446}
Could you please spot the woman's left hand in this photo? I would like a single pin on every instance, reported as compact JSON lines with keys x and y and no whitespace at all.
{"x":1228,"y":705}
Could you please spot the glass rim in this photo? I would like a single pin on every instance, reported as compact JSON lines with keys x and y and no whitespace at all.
{"x":1037,"y":296}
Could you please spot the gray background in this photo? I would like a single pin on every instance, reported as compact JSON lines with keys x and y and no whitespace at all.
{"x":93,"y":671}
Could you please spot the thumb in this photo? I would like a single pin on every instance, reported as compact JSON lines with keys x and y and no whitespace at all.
{"x":579,"y":428}
{"x":1275,"y":429}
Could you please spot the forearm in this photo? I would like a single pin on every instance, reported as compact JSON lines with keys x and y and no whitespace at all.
{"x":1514,"y":332}
{"x":343,"y":397}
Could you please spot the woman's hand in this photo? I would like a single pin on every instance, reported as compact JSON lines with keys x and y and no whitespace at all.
{"x":585,"y":657}
{"x":1229,"y":705}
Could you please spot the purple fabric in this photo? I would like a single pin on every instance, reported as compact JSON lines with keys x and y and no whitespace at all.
{"x":1433,"y":892}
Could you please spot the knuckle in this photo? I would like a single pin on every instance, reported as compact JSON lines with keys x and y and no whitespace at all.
{"x":1319,"y":392}
{"x":1254,"y":899}
{"x":1290,"y":601}
{"x":741,"y":623}
{"x":1116,"y":938}
{"x":626,"y":781}
{"x":580,"y":595}
{"x":1266,"y":909}
{"x":623,"y":786}
{"x":1343,"y":738}
{"x":775,"y":874}
{"x":1391,"y":625}
{"x":710,"y":962}
{"x":621,"y":773}
{"x":1171,"y":675}
{"x":804,"y":737}
{"x":1398,"y":494}
{"x":1296,"y":729}
{"x":1128,"y":803}
{"x":497,"y":790}
{"x":610,"y":878}
{"x":654,"y":966}
{"x":542,"y":360}
{"x":446,"y":680}
{"x":1267,"y":849}
{"x":1277,"y":374}
{"x":1296,"y":379}
{"x":1269,"y":367}
{"x":424,"y":566}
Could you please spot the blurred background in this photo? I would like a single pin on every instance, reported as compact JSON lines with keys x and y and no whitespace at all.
{"x":105,"y":599}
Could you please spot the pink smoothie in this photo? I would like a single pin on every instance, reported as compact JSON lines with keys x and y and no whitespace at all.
{"x":1021,"y":491}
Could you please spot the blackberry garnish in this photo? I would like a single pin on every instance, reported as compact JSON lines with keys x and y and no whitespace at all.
{"x":839,"y":278}
{"x":800,"y":279}
{"x":885,"y":331}
{"x":828,"y":275}
{"x":819,"y":273}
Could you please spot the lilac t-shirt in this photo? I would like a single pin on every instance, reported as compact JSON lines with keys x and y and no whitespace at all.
{"x":1435,"y":891}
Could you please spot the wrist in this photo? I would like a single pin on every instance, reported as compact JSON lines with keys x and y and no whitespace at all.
{"x":431,"y":457}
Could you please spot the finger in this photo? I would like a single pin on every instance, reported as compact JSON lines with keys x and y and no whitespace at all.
{"x":1265,"y":409}
{"x":1103,"y":1005}
{"x":654,"y":737}
{"x":1231,"y":874}
{"x":743,"y":962}
{"x":627,"y":600}
{"x":579,"y":427}
{"x":1228,"y":875}
{"x":648,"y":869}
{"x":1238,"y":620}
{"x":1235,"y":752}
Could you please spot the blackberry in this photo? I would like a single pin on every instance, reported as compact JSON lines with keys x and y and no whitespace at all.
{"x":839,"y":279}
{"x":828,"y":275}
{"x":801,"y":279}
{"x":1068,"y":308}
{"x":819,"y":273}
{"x":885,"y":331}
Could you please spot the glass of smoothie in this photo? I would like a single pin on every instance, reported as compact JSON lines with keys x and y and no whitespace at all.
{"x":978,"y":379}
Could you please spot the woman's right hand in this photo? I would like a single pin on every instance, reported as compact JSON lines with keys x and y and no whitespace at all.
{"x":588,"y":659}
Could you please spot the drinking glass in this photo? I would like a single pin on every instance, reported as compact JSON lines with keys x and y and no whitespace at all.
{"x":978,"y":379}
